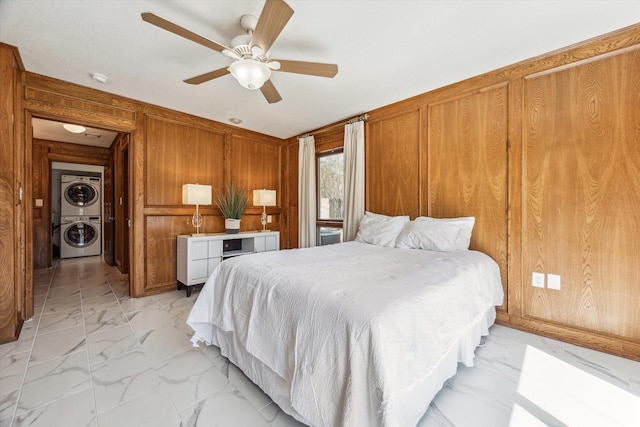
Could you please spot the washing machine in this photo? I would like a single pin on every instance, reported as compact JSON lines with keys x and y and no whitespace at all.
{"x":80,"y":236}
{"x":80,"y":195}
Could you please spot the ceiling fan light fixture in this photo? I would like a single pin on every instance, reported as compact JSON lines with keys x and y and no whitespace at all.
{"x":251,"y":74}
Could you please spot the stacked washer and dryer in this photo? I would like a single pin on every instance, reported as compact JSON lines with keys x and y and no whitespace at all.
{"x":80,"y":225}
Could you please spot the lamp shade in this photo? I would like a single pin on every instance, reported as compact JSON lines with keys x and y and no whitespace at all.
{"x":264,"y":197}
{"x":196,"y":194}
{"x":250,"y":73}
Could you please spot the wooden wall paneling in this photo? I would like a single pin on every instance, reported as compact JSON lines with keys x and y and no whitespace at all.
{"x":8,"y":276}
{"x":161,"y":250}
{"x":423,"y":153}
{"x":23,"y":133}
{"x":178,"y":154}
{"x":513,"y":304}
{"x":22,"y":211}
{"x":392,"y":163}
{"x":117,"y":151}
{"x":256,"y":164}
{"x":136,"y":231}
{"x":57,"y":95}
{"x":289,"y":230}
{"x":41,"y":215}
{"x":582,"y":190}
{"x":106,"y":112}
{"x":468,"y":167}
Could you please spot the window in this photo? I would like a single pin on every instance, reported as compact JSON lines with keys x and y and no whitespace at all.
{"x":330,"y":181}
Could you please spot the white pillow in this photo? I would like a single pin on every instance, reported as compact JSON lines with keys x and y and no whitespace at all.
{"x":437,"y":234}
{"x":380,"y":230}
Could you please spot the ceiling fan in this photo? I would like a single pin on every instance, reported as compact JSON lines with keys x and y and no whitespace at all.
{"x":252,"y":65}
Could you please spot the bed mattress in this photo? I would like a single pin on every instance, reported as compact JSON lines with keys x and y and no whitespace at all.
{"x":349,"y":334}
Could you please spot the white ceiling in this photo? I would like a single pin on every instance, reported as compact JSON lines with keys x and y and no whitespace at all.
{"x":53,"y":131}
{"x":386,"y":50}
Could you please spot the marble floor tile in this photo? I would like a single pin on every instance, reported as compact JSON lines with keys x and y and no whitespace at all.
{"x":38,"y":301}
{"x":18,"y":346}
{"x":61,"y":305}
{"x":99,"y":321}
{"x":190,"y":377}
{"x":63,"y":292}
{"x":165,"y":342}
{"x":111,"y":344}
{"x":95,"y":304}
{"x":53,"y":380}
{"x":8,"y":403}
{"x":225,"y":408}
{"x":152,"y":409}
{"x":134,"y":365}
{"x":12,"y":370}
{"x":57,"y":344}
{"x":149,"y":319}
{"x":40,"y":290}
{"x":92,"y":281}
{"x":74,"y":411}
{"x":122,"y":379}
{"x":58,"y":321}
{"x":97,"y":291}
{"x":254,"y":394}
{"x":283,"y":419}
{"x":30,"y":328}
{"x":130,"y":305}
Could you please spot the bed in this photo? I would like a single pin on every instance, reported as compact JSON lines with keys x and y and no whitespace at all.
{"x":353,"y":333}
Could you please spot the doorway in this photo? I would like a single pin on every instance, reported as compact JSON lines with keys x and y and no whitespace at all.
{"x":47,"y":149}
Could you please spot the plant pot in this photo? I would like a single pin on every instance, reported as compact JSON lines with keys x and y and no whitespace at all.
{"x":231,"y":226}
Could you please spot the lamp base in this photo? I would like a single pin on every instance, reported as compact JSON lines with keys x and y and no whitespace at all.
{"x":262,"y":231}
{"x":198,"y":234}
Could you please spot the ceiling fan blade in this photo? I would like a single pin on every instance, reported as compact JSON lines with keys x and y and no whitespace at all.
{"x":270,"y":93}
{"x":207,"y":76}
{"x":182,"y":32}
{"x":311,"y":68}
{"x":273,"y":18}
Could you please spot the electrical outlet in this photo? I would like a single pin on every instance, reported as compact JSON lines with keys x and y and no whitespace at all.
{"x":553,"y":281}
{"x":537,"y":280}
{"x":269,"y":219}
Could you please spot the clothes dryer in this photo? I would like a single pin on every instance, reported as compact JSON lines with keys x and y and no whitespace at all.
{"x":80,"y":236}
{"x":80,"y":195}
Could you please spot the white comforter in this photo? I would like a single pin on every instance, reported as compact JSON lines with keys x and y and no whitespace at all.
{"x":351,"y":328}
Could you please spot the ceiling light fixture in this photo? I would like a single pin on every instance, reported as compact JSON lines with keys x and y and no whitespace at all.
{"x":100,"y":78}
{"x":250,"y":73}
{"x":235,"y":120}
{"x":74,"y":128}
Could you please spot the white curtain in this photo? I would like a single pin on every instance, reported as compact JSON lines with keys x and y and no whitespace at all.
{"x":307,"y":192}
{"x":353,"y":179}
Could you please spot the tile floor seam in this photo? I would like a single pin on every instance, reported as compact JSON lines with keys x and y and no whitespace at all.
{"x":93,"y":389}
{"x":24,"y":375}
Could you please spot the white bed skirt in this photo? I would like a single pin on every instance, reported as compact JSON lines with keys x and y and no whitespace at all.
{"x":412,"y":406}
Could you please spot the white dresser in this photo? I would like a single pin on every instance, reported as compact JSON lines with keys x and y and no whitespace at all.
{"x":198,"y":256}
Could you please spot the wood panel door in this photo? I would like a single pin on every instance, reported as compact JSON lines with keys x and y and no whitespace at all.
{"x":108,"y":218}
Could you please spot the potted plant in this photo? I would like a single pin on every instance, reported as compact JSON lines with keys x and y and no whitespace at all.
{"x":232,"y":203}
